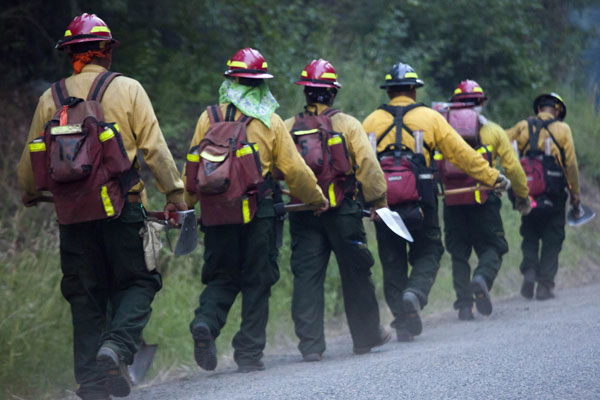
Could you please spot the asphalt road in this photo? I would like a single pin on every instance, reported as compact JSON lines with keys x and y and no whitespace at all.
{"x":524,"y":350}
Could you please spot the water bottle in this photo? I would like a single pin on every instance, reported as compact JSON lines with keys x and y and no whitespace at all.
{"x":547,"y":147}
{"x":418,"y":135}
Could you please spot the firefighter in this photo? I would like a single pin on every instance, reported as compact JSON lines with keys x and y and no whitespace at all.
{"x":546,"y":222}
{"x":105,"y":278}
{"x":340,"y":229}
{"x":473,"y":221}
{"x":407,"y":295}
{"x":239,"y":258}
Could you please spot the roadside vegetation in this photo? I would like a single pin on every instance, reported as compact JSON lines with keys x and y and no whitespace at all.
{"x":178,"y":52}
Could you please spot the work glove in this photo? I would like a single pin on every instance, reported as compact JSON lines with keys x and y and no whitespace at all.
{"x":322,"y":208}
{"x":173,"y":207}
{"x":575,"y":203}
{"x":502,"y":183}
{"x":523,"y":205}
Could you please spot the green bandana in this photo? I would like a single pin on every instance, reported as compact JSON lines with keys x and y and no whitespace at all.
{"x":256,"y":102}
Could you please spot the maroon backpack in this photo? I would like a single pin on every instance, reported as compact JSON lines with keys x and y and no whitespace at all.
{"x":224,"y":170}
{"x":326,"y":153}
{"x":81,"y":159}
{"x":465,"y":120}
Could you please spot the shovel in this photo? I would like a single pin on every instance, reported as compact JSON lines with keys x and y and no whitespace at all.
{"x":186,"y":223}
{"x":141,"y":362}
{"x":586,"y":214}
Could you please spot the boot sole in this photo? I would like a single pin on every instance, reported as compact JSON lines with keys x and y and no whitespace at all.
{"x":414,"y":324}
{"x":204,"y":350}
{"x":482,"y":298}
{"x":117,"y":384}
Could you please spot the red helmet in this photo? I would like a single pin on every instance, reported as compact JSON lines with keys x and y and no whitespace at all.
{"x":468,"y":90}
{"x":319,"y":73}
{"x":248,"y":63}
{"x":86,"y":28}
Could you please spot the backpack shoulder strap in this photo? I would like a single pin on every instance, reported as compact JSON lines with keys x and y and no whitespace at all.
{"x":214,"y":114}
{"x":100,"y":84}
{"x":398,"y":112}
{"x":243,"y":118}
{"x":59,"y":93}
{"x":330,"y":112}
{"x":545,"y":125}
{"x":533,"y":124}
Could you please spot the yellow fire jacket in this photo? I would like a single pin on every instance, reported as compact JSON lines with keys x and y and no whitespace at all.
{"x":562,"y":134}
{"x":368,"y":171}
{"x":437,"y":133}
{"x":126,"y":103}
{"x":276,"y":149}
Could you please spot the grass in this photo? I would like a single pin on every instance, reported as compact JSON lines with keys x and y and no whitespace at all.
{"x":35,"y":326}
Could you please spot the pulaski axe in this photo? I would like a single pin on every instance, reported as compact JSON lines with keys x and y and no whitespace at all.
{"x":186,"y":223}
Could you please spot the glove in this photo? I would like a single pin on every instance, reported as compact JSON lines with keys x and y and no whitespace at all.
{"x":502,"y":182}
{"x":523,"y":205}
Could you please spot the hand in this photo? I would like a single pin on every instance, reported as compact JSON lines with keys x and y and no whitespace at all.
{"x":29,"y":200}
{"x":322,"y":208}
{"x":173,"y":207}
{"x":502,"y":183}
{"x":523,"y":205}
{"x":575,"y":200}
{"x":374,"y":216}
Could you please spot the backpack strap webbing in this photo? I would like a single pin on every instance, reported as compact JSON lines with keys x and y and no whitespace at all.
{"x":100,"y":84}
{"x":214,"y":114}
{"x":330,"y":112}
{"x":399,"y":112}
{"x":59,"y":93}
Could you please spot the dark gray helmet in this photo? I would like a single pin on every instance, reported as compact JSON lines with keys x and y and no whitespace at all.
{"x":401,"y":75}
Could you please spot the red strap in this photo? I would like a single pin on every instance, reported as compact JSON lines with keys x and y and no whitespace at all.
{"x":100,"y":84}
{"x":214,"y":114}
{"x":59,"y":93}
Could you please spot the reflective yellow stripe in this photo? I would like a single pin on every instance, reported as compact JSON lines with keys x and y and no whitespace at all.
{"x":477,"y":90}
{"x":458,"y":91}
{"x":68,"y":33}
{"x":100,"y":29}
{"x":332,"y":201}
{"x":246,"y":150}
{"x":193,"y":157}
{"x":35,"y":147}
{"x":388,"y":77}
{"x":107,"y":134}
{"x":485,"y":149}
{"x":334,"y":140}
{"x":246,"y":211}
{"x":438,"y":156}
{"x":308,"y":132}
{"x":212,"y":157}
{"x":108,"y":207}
{"x":239,"y":64}
{"x":65,"y":129}
{"x":478,"y":196}
{"x":304,"y":74}
{"x":411,"y":75}
{"x":328,"y":75}
{"x":265,"y":65}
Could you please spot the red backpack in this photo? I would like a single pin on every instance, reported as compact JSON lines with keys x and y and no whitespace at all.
{"x":81,"y":159}
{"x":408,"y":178}
{"x":326,"y":153}
{"x":224,"y":170}
{"x":465,"y":120}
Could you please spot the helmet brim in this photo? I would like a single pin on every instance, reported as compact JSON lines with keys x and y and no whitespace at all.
{"x":538,"y":99}
{"x":460,"y":97}
{"x":417,"y":84}
{"x":248,"y":75}
{"x":63,"y":44}
{"x":335,"y":85}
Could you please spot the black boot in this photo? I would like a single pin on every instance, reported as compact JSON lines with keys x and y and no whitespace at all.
{"x":118,"y":383}
{"x":465,"y":313}
{"x":412,"y":308}
{"x":483,"y":302}
{"x":543,"y":292}
{"x":528,"y":283}
{"x":205,"y":350}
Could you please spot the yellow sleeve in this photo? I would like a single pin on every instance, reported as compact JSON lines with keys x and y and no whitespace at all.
{"x":150,"y":140}
{"x":509,"y":161}
{"x":571,"y":167}
{"x":201,"y":127}
{"x":43,"y":112}
{"x":459,"y":153}
{"x":298,"y":176}
{"x":368,"y":171}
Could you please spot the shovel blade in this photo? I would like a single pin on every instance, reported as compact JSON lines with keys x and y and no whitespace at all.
{"x":188,"y":236}
{"x":393,"y":221}
{"x":586,"y":214}
{"x":141,"y":362}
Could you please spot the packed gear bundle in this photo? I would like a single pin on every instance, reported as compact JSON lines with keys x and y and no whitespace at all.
{"x":410,"y":182}
{"x":326,"y":153}
{"x":545,"y":174}
{"x":81,"y":159}
{"x":225,"y":171}
{"x":465,"y":120}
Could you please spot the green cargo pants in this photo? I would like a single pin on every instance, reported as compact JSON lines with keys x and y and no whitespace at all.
{"x":106,"y":282}
{"x":424,"y":256}
{"x":549,"y":228}
{"x":240,"y":259}
{"x":313,"y":238}
{"x":476,"y":227}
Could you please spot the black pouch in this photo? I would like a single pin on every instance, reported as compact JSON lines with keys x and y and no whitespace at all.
{"x":553,"y":175}
{"x":426,"y":184}
{"x":411,"y":214}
